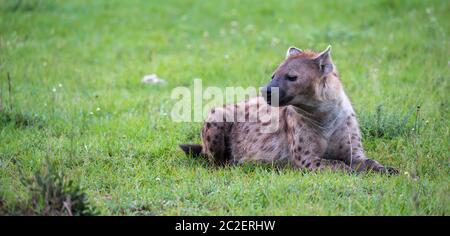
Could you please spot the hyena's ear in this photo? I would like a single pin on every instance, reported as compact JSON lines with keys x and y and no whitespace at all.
{"x":324,"y":61}
{"x":293,"y":51}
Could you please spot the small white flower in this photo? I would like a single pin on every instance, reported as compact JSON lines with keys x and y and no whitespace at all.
{"x":158,"y":179}
{"x":249,"y":28}
{"x":91,"y":113}
{"x":275,"y":41}
{"x":54,"y":90}
{"x":98,"y":109}
{"x":60,"y":85}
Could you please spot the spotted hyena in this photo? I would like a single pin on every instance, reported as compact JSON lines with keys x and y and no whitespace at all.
{"x":316,"y":124}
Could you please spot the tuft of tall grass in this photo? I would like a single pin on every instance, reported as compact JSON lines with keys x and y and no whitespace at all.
{"x":51,"y":194}
{"x":20,"y":120}
{"x":24,"y":5}
{"x":387,"y":125}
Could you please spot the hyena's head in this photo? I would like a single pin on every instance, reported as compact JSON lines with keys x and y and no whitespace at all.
{"x":304,"y":78}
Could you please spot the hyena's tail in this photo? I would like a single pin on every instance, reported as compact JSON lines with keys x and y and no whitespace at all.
{"x":192,"y":149}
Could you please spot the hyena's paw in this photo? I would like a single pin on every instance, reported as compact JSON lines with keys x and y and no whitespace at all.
{"x":372,"y":165}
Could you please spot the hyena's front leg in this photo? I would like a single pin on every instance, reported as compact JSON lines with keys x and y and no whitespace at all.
{"x":367,"y":164}
{"x":359,"y":162}
{"x":352,"y":153}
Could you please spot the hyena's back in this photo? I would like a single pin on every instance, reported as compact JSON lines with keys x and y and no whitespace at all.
{"x":252,"y":131}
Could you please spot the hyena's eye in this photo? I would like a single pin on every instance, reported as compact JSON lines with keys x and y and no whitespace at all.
{"x":291,"y":77}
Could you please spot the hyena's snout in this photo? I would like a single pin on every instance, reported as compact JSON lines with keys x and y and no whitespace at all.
{"x":267,"y":94}
{"x":272,"y":93}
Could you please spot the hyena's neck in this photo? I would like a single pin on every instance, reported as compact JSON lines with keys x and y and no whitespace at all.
{"x":326,"y":116}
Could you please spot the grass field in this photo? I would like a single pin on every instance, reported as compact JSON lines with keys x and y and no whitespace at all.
{"x":74,"y":100}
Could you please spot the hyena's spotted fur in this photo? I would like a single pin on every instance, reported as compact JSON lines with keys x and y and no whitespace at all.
{"x":317,"y":126}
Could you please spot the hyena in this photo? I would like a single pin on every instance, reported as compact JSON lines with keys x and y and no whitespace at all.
{"x":317,"y":126}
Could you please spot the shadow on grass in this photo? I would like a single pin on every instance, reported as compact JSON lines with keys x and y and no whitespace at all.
{"x":247,"y":167}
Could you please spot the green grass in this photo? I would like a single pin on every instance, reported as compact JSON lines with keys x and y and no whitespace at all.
{"x":392,"y":57}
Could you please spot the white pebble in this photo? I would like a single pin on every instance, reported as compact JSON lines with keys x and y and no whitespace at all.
{"x":152,"y":79}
